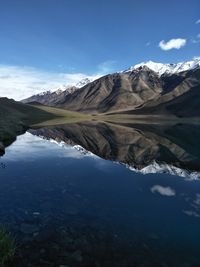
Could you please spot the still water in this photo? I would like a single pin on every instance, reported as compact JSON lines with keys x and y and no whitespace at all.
{"x":99,"y":195}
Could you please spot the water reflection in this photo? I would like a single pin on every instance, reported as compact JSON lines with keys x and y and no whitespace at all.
{"x":147,"y":148}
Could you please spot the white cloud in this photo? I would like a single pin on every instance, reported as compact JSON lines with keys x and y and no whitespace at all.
{"x":198,"y":21}
{"x":164,"y":191}
{"x":21,"y":82}
{"x":172,"y":44}
{"x":148,"y":43}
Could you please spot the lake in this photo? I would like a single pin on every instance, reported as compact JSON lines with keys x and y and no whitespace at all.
{"x":103,"y":194}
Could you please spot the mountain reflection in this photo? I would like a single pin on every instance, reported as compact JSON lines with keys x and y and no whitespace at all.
{"x":136,"y":145}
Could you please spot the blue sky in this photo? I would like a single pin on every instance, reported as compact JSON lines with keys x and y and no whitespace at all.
{"x":91,"y":37}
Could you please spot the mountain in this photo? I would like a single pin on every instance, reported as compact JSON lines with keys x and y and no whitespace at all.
{"x":142,"y":90}
{"x":146,"y":88}
{"x":115,"y":92}
{"x":51,"y":98}
{"x":180,"y":96}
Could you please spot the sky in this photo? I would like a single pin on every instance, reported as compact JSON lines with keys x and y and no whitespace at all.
{"x":46,"y":43}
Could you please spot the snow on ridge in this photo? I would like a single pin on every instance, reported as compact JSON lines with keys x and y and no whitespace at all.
{"x":64,"y":87}
{"x":57,"y":90}
{"x":44,"y":93}
{"x":84,"y":82}
{"x":161,"y":68}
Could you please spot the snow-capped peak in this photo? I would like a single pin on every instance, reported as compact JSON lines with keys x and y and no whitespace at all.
{"x":161,"y":68}
{"x":57,"y":90}
{"x":69,"y":88}
{"x":61,"y":89}
{"x":44,"y":93}
{"x":83,"y":82}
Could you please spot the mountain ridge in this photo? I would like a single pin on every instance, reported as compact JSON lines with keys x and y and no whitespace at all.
{"x":50,"y":97}
{"x":139,"y":89}
{"x":167,"y":68}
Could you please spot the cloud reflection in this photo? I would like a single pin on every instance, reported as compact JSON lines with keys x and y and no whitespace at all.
{"x":164,"y":191}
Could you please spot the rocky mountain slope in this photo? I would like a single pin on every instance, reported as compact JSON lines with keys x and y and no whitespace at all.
{"x":180,"y":96}
{"x":145,"y":88}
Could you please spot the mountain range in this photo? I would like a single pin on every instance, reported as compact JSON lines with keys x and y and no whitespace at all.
{"x":146,"y":88}
{"x":51,"y":98}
